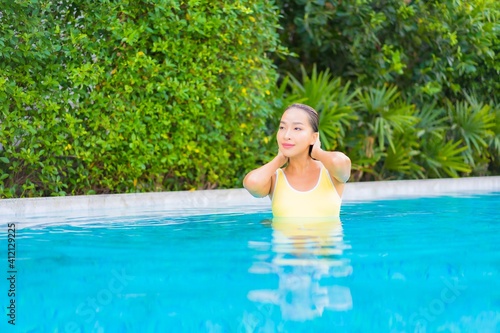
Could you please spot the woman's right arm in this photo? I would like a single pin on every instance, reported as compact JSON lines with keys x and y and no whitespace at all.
{"x":258,"y":182}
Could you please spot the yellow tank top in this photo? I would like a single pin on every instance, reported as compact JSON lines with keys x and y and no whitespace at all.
{"x":322,"y":201}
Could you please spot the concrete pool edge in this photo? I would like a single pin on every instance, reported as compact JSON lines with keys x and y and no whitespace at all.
{"x":229,"y":200}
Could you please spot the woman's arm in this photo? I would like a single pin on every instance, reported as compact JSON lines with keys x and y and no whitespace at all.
{"x":337,"y":163}
{"x":258,"y":181}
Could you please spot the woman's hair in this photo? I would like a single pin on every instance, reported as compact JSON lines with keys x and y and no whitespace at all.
{"x":313,"y":115}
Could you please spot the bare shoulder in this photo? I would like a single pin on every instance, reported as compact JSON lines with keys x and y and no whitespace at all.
{"x":340,"y":157}
{"x":339,"y":167}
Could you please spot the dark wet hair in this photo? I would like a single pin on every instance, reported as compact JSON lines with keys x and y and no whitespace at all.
{"x":313,"y":114}
{"x":313,"y":117}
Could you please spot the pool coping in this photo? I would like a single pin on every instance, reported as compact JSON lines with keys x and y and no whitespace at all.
{"x":29,"y":210}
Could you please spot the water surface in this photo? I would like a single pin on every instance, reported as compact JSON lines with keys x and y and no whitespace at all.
{"x":416,"y":265}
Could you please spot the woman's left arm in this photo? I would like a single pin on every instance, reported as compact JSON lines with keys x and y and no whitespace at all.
{"x":337,"y":163}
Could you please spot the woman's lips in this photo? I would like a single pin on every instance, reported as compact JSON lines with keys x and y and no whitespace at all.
{"x":287,"y":145}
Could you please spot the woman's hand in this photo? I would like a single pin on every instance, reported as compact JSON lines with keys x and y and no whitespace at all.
{"x":316,"y":149}
{"x":281,"y":158}
{"x":337,"y":163}
{"x":259,"y":181}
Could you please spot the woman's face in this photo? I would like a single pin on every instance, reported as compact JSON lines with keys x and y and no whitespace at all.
{"x":295,"y":133}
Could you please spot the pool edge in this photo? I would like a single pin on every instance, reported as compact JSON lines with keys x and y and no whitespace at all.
{"x":229,"y":199}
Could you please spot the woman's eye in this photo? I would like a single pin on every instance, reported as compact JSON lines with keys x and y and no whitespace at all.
{"x":281,"y":127}
{"x":298,"y":128}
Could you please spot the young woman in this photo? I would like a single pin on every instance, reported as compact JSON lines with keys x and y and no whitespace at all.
{"x":312,"y":182}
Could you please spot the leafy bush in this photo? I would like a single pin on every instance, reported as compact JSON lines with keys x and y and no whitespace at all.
{"x":106,"y":97}
{"x":440,"y":49}
{"x":423,"y":73}
{"x":388,"y":138}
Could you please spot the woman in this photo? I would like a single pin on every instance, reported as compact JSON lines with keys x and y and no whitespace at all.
{"x":313,"y":180}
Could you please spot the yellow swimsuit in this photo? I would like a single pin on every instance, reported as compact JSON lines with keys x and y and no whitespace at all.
{"x":322,"y":201}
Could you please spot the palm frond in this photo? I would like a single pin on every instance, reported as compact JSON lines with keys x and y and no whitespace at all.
{"x":401,"y":161}
{"x":445,"y":157}
{"x":495,"y":139}
{"x":432,"y":121}
{"x":384,"y":113}
{"x":473,"y":124}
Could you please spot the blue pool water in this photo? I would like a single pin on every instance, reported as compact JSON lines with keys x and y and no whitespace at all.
{"x":412,"y":265}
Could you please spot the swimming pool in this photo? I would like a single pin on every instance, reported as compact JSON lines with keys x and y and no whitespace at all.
{"x":408,"y":265}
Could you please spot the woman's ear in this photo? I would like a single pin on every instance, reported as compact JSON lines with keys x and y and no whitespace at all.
{"x":315,"y":137}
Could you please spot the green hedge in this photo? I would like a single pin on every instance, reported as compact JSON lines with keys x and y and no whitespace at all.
{"x":423,"y":75}
{"x":126,"y":96}
{"x":386,"y":137}
{"x":433,"y":49}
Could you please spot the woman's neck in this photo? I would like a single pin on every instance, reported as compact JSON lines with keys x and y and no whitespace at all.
{"x":300,"y":164}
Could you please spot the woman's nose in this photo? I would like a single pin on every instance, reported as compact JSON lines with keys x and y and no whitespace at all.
{"x":286,"y":135}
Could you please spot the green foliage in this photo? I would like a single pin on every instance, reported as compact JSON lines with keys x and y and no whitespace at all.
{"x":127,"y":96}
{"x":472,"y":123}
{"x":382,"y":144}
{"x":106,"y":97}
{"x":384,"y":114}
{"x":447,"y":158}
{"x":442,"y":49}
{"x":423,"y":74}
{"x":494,"y":143}
{"x":387,"y":138}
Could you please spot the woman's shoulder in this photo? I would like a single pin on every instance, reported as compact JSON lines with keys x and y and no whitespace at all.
{"x":319,"y":165}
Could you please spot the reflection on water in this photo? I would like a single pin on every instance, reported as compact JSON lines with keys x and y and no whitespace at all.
{"x":307,"y":257}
